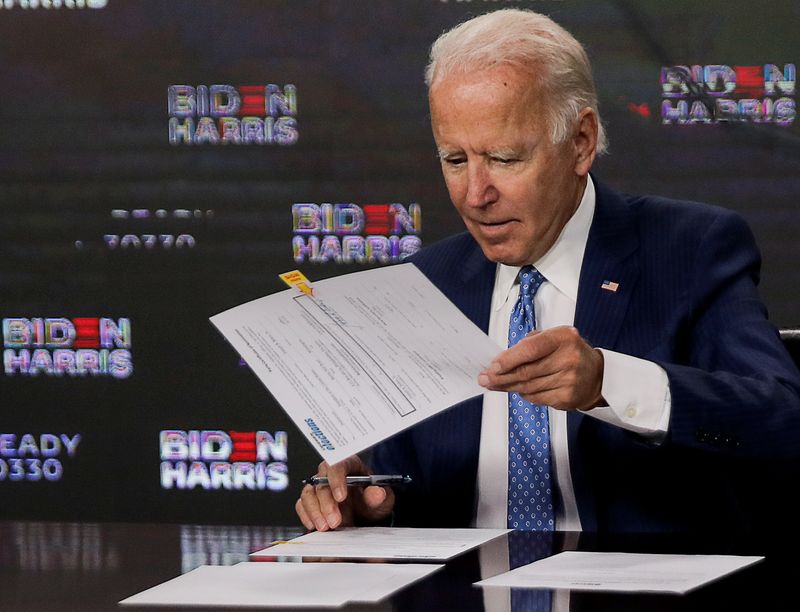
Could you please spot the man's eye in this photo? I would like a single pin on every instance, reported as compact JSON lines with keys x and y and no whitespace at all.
{"x":454,"y":161}
{"x":505,"y":161}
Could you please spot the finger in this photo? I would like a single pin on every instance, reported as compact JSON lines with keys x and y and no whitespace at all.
{"x":530,"y":349}
{"x":374,"y":496}
{"x":308,"y":498}
{"x":533,"y":347}
{"x":328,"y":506}
{"x":571,"y":389}
{"x":303,"y":515}
{"x":566,"y":389}
{"x":525,"y":374}
{"x":527,"y":385}
{"x":557,"y":397}
{"x":375,"y":503}
{"x":577,"y":381}
{"x":338,"y":472}
{"x":538,"y":345}
{"x":337,"y":478}
{"x":570,"y":353}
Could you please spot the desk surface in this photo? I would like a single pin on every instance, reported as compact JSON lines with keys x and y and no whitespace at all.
{"x":91,"y":566}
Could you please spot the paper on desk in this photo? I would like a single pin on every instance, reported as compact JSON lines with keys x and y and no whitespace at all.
{"x":383,"y":543}
{"x":368,"y":355}
{"x":628,"y":572}
{"x":283,"y":585}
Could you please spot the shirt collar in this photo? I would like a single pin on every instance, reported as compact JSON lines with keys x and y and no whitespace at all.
{"x":561,"y":265}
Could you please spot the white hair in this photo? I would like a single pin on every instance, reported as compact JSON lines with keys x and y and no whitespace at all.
{"x":526,"y":40}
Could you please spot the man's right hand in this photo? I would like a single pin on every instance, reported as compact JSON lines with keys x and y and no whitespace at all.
{"x":328,"y":507}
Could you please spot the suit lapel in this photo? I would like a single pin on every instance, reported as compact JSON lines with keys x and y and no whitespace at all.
{"x":474,"y":293}
{"x":612,"y":239}
{"x":600,"y":310}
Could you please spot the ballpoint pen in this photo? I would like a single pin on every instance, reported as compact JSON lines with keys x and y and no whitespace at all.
{"x":381,"y":480}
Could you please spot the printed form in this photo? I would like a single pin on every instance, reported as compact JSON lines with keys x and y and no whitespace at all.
{"x":369,"y":354}
{"x":624,"y":572}
{"x":283,"y":585}
{"x":383,"y":543}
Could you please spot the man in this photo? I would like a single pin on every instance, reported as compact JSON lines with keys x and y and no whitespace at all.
{"x":669,"y":393}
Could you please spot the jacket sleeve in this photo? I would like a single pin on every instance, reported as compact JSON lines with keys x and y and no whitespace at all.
{"x":738,"y":390}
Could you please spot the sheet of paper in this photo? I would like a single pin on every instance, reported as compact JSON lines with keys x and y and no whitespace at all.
{"x":283,"y":585}
{"x":383,"y":543}
{"x":628,"y":572}
{"x":368,"y":355}
{"x":386,"y":583}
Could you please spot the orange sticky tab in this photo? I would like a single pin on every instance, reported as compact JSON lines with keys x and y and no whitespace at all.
{"x":295,"y":278}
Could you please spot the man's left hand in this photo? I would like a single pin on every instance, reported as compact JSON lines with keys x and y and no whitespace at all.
{"x":554,"y":367}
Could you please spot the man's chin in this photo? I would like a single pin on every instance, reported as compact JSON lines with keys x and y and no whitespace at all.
{"x":503,"y":254}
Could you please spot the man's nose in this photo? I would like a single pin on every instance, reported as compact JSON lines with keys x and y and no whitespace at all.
{"x":480,"y":189}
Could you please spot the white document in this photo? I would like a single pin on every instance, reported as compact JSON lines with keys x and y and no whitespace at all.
{"x":368,"y":355}
{"x":627,"y":572}
{"x":383,"y":543}
{"x":283,"y":585}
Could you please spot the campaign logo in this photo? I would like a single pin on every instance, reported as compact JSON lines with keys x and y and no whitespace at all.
{"x":30,"y":458}
{"x":53,"y":4}
{"x":347,"y":233}
{"x":696,"y":95}
{"x":224,"y":114}
{"x":67,"y":347}
{"x":232,"y":460}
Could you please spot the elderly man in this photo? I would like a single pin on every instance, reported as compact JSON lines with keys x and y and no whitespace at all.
{"x":643,"y":388}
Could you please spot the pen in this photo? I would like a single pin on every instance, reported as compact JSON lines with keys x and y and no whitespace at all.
{"x":381,"y":480}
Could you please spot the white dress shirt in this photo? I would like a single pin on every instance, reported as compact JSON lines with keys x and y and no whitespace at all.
{"x":637,"y":391}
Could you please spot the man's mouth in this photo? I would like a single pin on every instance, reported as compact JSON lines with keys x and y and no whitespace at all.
{"x":494,"y":225}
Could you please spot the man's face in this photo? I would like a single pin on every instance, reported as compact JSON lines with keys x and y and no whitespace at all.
{"x":514,"y":189}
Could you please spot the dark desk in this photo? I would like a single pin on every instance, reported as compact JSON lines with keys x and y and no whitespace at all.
{"x":89,"y":566}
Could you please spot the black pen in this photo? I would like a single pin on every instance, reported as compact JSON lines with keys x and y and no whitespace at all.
{"x":381,"y":480}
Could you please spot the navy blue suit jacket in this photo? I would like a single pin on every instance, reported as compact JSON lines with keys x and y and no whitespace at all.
{"x":687,"y":300}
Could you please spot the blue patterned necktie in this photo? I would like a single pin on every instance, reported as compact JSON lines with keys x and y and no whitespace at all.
{"x":530,"y":497}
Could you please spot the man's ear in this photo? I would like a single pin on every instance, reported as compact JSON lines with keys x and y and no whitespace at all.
{"x":585,"y":141}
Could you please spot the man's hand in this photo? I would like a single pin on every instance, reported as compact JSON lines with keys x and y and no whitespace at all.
{"x":328,"y":507}
{"x":555,"y":367}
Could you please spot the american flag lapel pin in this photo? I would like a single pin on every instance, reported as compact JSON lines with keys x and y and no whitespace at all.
{"x":610,"y":286}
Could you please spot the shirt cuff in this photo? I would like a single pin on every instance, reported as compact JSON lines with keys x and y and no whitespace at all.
{"x":637,"y":392}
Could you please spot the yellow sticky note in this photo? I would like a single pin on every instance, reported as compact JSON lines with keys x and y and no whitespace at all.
{"x":295,"y":278}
